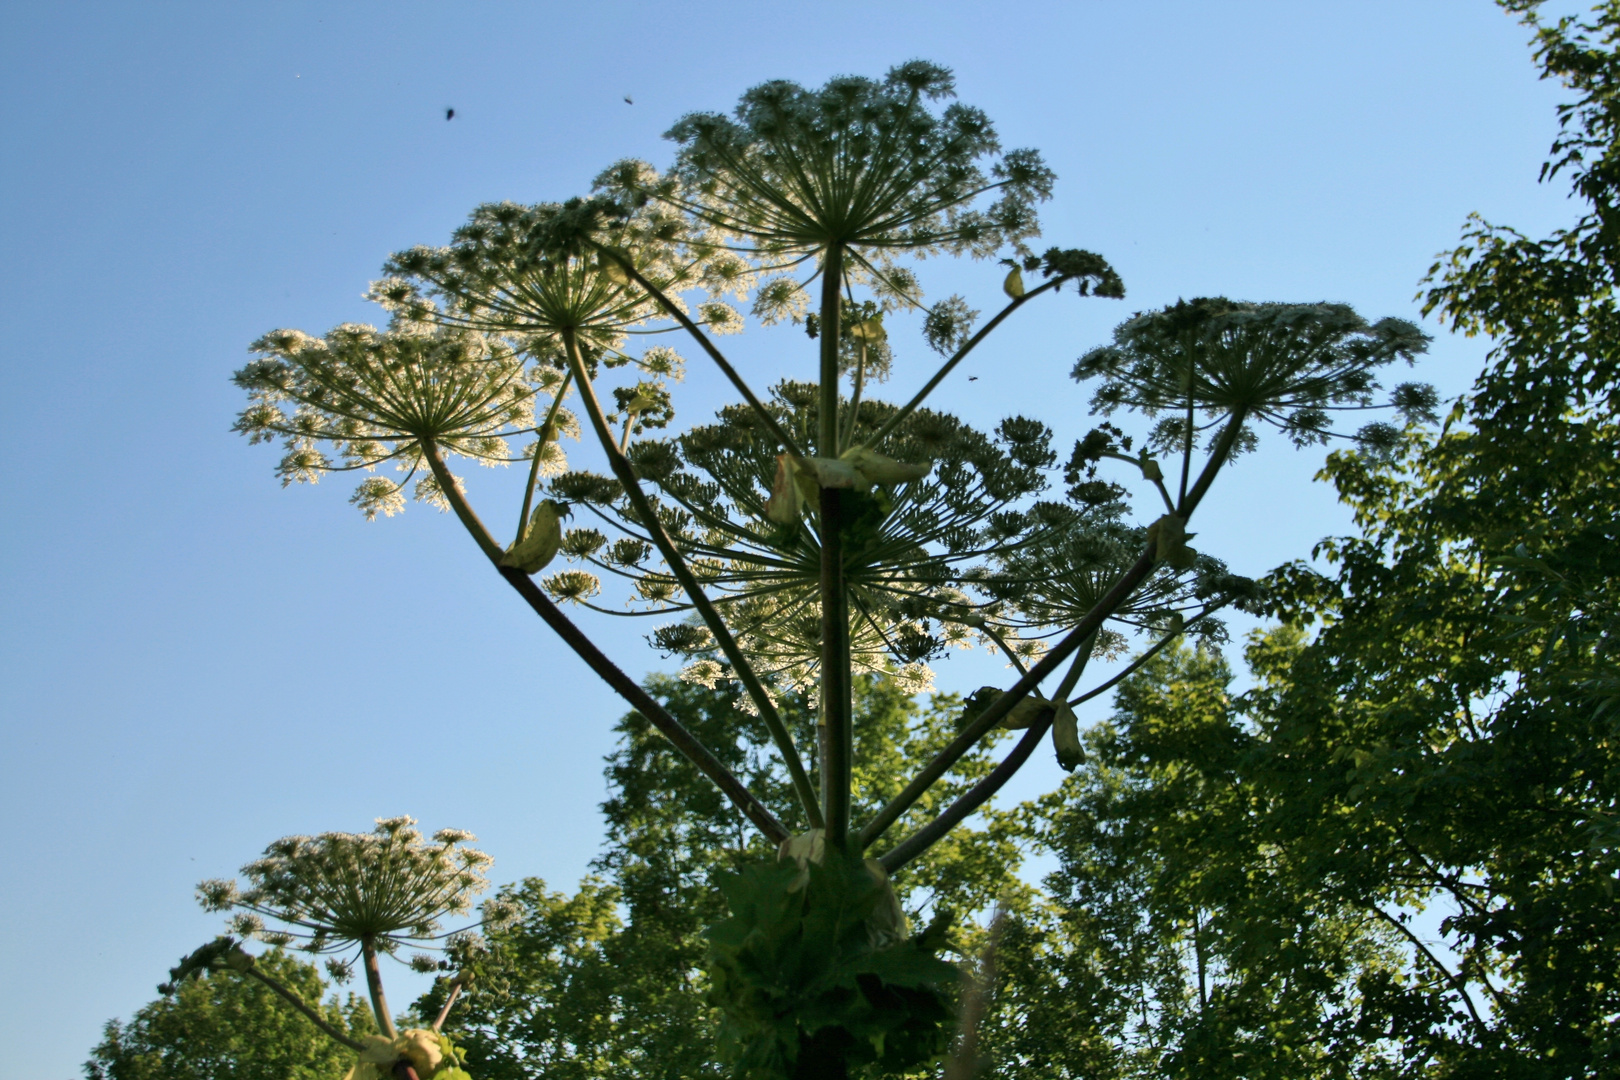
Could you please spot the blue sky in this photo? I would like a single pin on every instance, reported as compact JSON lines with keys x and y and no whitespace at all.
{"x":195,"y":661}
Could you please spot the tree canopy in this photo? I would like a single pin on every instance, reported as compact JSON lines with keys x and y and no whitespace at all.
{"x":223,"y":1027}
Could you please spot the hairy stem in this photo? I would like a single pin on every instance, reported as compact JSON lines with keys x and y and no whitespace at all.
{"x":970,"y":736}
{"x":837,"y":691}
{"x":837,"y":700}
{"x":656,"y":715}
{"x":832,"y":282}
{"x":644,"y":509}
{"x":986,"y":789}
{"x":708,"y":346}
{"x":374,"y":986}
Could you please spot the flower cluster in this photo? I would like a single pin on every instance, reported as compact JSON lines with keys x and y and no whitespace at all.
{"x":387,"y":888}
{"x":360,"y":397}
{"x":1287,"y":365}
{"x":967,"y":554}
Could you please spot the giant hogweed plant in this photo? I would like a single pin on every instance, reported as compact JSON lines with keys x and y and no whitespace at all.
{"x":356,"y":898}
{"x":812,"y":532}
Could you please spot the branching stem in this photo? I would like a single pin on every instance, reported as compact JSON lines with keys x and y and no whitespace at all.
{"x":656,"y":715}
{"x":968,"y":346}
{"x":986,"y":789}
{"x":647,"y":513}
{"x":970,"y":736}
{"x":708,"y":346}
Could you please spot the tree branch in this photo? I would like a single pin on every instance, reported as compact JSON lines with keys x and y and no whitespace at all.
{"x":1456,"y":983}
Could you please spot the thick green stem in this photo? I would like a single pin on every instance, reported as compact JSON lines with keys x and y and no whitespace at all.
{"x":643,"y":507}
{"x":379,"y":1001}
{"x":837,"y":693}
{"x":656,"y":715}
{"x":832,"y":283}
{"x":539,"y":453}
{"x":837,"y":700}
{"x":970,"y":736}
{"x":986,"y":789}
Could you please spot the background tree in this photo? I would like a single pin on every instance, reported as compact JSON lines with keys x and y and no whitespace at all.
{"x":1434,"y":728}
{"x":223,"y":1027}
{"x":1178,"y":938}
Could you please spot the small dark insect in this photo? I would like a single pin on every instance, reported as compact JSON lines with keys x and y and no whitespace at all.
{"x":973,"y":378}
{"x":449,"y":114}
{"x":627,"y":100}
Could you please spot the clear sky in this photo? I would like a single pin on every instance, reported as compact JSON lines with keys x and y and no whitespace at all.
{"x":194,"y":661}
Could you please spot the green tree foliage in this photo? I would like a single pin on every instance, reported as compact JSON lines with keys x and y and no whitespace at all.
{"x":1180,"y":940}
{"x":1419,"y":796}
{"x":224,"y":1027}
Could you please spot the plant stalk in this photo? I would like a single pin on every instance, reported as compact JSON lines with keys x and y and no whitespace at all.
{"x":314,"y":1017}
{"x":449,"y":1003}
{"x":708,"y":346}
{"x":970,"y":736}
{"x":539,"y":451}
{"x":626,"y":474}
{"x":956,"y":358}
{"x":682,"y":739}
{"x":986,"y":789}
{"x":837,"y":698}
{"x":379,"y":1001}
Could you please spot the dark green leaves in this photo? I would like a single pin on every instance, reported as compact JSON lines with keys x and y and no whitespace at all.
{"x":809,"y":966}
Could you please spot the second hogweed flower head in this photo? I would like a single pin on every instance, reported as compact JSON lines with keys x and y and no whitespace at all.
{"x":1287,"y":365}
{"x":367,"y":893}
{"x":378,"y":396}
